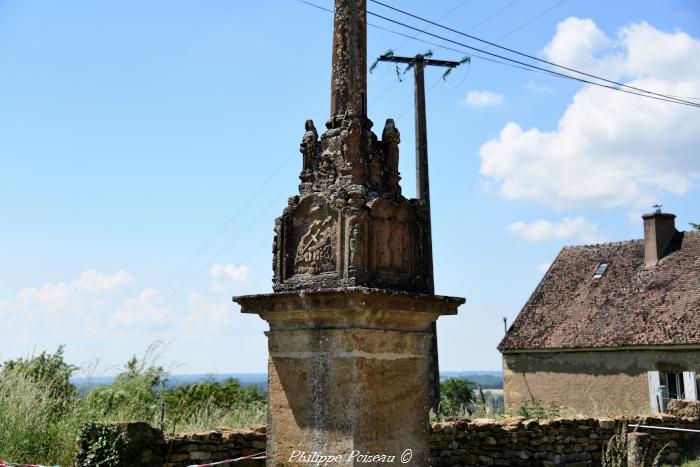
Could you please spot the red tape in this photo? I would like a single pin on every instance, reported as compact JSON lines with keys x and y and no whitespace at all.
{"x":12,"y":464}
{"x":252,"y":457}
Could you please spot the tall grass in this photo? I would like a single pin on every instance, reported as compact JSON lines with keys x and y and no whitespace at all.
{"x":208,"y":417}
{"x":40,"y":424}
{"x":34,"y":425}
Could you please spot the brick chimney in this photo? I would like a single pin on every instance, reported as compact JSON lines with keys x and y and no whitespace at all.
{"x":659,"y":230}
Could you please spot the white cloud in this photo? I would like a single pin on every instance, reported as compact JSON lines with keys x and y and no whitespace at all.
{"x":148,"y":307}
{"x":225,"y":277}
{"x":609,"y":148}
{"x":482,"y":99}
{"x":576,"y":44}
{"x":577,"y":228}
{"x":83,"y":299}
{"x":105,"y":316}
{"x":88,"y":282}
{"x":205,"y":314}
{"x":98,"y":282}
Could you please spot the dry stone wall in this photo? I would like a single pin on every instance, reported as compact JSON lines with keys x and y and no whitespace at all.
{"x":186,"y":449}
{"x":565,"y":442}
{"x":513,"y":441}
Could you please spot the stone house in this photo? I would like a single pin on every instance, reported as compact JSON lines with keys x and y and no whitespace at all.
{"x":611,"y":328}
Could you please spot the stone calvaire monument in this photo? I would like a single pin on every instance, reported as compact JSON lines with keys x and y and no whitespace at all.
{"x":352,"y":307}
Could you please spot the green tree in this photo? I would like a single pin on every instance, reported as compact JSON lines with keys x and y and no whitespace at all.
{"x":134,"y":395}
{"x":48,"y":370}
{"x":210,"y":396}
{"x":695,"y":226}
{"x":37,"y":401}
{"x":456,"y":397}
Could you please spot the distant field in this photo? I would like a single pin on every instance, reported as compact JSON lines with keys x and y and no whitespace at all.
{"x":486,"y":379}
{"x":246,"y":380}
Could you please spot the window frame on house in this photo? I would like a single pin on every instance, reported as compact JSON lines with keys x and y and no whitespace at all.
{"x":673,"y":380}
{"x":601,"y":269}
{"x":686,"y":381}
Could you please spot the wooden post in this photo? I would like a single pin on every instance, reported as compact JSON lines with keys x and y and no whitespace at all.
{"x":419,"y":63}
{"x":422,"y":177}
{"x":423,"y":194}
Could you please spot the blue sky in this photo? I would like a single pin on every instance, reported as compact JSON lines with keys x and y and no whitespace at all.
{"x":147,"y":147}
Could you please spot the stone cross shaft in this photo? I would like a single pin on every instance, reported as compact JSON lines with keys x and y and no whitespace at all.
{"x":350,"y":320}
{"x":349,"y":74}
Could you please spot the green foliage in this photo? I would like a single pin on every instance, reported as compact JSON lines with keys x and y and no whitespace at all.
{"x":101,"y":444}
{"x":135,"y":394}
{"x":488,"y":405}
{"x":42,"y":413}
{"x":695,"y":226}
{"x":535,"y":409}
{"x":37,"y":402}
{"x":616,"y":452}
{"x":209,"y":396}
{"x":48,"y":369}
{"x":456,"y":397}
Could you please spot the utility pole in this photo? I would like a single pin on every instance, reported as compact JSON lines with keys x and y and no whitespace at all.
{"x":419,"y":62}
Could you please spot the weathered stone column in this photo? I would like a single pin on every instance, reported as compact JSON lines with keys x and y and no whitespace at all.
{"x":349,"y":339}
{"x":347,"y":374}
{"x":349,"y":69}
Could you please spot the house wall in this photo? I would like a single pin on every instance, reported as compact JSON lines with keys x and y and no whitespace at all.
{"x":596,"y":383}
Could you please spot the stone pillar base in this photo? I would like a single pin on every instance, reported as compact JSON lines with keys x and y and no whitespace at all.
{"x":348,"y":375}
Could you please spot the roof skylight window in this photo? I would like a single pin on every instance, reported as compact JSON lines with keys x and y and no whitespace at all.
{"x":600,"y":270}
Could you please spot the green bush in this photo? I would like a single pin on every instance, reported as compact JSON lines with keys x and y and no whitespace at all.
{"x":100,"y":444}
{"x":208,"y":397}
{"x":134,"y":395}
{"x":42,"y":413}
{"x":48,"y":370}
{"x":535,"y":409}
{"x":456,"y":397}
{"x":37,"y":403}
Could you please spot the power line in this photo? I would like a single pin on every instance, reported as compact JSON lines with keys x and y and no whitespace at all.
{"x":530,"y":21}
{"x":664,"y":98}
{"x":493,"y":44}
{"x":518,"y":28}
{"x":441,"y":46}
{"x":493,"y":15}
{"x":460,"y":5}
{"x":409,"y":39}
{"x":525,"y":66}
{"x":540,"y":71}
{"x":471,"y":54}
{"x":238,"y":234}
{"x":233,"y":217}
{"x":167,"y":297}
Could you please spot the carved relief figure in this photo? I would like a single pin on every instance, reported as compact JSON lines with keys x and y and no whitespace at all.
{"x":326,"y":174}
{"x":354,"y":241}
{"x":315,"y":251}
{"x":391,"y":139}
{"x":377,"y":171}
{"x":308,"y":147}
{"x":392,"y":245}
{"x":352,"y":144}
{"x":276,"y":256}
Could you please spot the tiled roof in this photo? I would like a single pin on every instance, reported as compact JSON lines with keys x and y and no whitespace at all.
{"x":628,"y":306}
